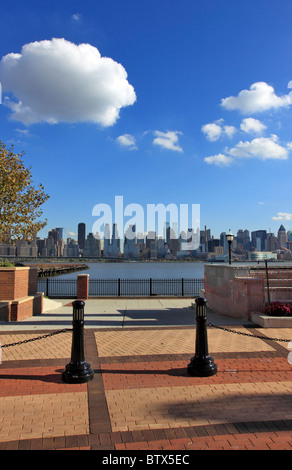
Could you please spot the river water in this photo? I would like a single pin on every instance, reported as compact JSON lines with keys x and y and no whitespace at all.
{"x":141,"y":270}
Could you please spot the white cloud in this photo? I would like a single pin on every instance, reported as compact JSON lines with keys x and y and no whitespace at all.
{"x":58,"y":81}
{"x":127,"y":140}
{"x":167,"y":140}
{"x":219,"y":160}
{"x":283,"y":216}
{"x":212,"y":131}
{"x":251,"y":125}
{"x":229,"y":130}
{"x":76,"y":17}
{"x":260,"y":97}
{"x":262,"y":147}
{"x":290,"y":84}
{"x":215,"y":130}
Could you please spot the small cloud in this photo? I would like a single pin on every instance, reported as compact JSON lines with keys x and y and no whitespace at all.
{"x":260,"y":97}
{"x":229,"y":131}
{"x":219,"y":160}
{"x":252,"y":126}
{"x":23,"y":131}
{"x":290,"y":84}
{"x":283,"y":216}
{"x":76,"y":17}
{"x":263,"y":148}
{"x":167,"y":140}
{"x":261,"y":203}
{"x":215,"y":130}
{"x":71,"y":234}
{"x":128,"y":141}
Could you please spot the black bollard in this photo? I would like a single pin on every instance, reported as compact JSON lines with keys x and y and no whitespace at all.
{"x":78,"y":370}
{"x":201,"y":365}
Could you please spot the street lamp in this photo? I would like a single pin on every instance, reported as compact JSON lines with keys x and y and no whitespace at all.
{"x":229,"y":237}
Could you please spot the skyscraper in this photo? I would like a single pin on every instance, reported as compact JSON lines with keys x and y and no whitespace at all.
{"x":81,"y":235}
{"x":282,"y":237}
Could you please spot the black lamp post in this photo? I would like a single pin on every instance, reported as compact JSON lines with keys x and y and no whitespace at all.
{"x":201,"y":365}
{"x":78,"y":370}
{"x":230,"y":238}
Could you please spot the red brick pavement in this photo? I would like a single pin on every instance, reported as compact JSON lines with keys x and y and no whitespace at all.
{"x":245,"y":406}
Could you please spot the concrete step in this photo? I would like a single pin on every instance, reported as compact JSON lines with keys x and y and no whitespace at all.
{"x":49,"y":304}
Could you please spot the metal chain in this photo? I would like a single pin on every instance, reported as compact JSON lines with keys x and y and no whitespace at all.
{"x":247,"y":334}
{"x":35,"y":339}
{"x":209,"y":324}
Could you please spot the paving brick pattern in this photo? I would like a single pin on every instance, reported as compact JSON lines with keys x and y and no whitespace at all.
{"x":141,"y":397}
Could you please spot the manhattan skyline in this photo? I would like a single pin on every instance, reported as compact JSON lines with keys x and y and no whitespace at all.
{"x":162,"y":102}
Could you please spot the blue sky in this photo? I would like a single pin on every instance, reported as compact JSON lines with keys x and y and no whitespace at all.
{"x":160,"y":101}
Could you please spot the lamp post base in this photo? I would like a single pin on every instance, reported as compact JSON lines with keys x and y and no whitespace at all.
{"x":77,"y":373}
{"x":202,"y":366}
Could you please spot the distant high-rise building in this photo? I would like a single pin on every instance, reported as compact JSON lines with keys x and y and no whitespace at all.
{"x":258,"y":239}
{"x":60,"y":233}
{"x":81,"y":235}
{"x":111,"y":247}
{"x":92,"y":246}
{"x":271,"y":242}
{"x":282,"y":237}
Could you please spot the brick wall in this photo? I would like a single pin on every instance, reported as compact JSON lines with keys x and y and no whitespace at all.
{"x":13,"y":283}
{"x":18,"y":291}
{"x":33,"y":281}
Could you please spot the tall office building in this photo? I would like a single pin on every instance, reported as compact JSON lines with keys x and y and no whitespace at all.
{"x":258,"y":239}
{"x":81,"y":235}
{"x":282,"y":237}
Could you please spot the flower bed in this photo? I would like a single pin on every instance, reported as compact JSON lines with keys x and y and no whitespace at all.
{"x":278,"y":309}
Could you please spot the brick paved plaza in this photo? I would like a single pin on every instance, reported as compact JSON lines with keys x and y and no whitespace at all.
{"x":141,"y":397}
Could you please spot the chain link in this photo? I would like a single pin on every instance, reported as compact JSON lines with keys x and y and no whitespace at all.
{"x":247,"y":334}
{"x":36,"y":339}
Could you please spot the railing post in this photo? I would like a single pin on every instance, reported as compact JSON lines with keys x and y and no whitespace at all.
{"x":182,"y":287}
{"x":47,"y":287}
{"x":268,"y":285}
{"x":119,"y":287}
{"x":82,"y":286}
{"x":201,"y":365}
{"x":78,"y":370}
{"x":150,"y":286}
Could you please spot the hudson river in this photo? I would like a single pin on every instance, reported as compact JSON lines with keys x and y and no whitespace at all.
{"x":143,"y":270}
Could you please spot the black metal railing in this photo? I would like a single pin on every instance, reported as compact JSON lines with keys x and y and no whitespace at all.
{"x":54,"y":287}
{"x":59,"y":288}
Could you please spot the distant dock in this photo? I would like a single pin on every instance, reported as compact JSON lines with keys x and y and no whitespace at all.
{"x":47,"y":270}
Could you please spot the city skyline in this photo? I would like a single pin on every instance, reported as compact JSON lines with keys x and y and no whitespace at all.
{"x":163,"y":102}
{"x":253,"y":246}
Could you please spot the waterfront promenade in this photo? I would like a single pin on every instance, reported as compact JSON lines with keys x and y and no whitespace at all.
{"x":141,"y":397}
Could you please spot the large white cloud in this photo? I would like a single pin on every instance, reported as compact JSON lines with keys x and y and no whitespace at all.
{"x":58,"y":81}
{"x":260,"y":97}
